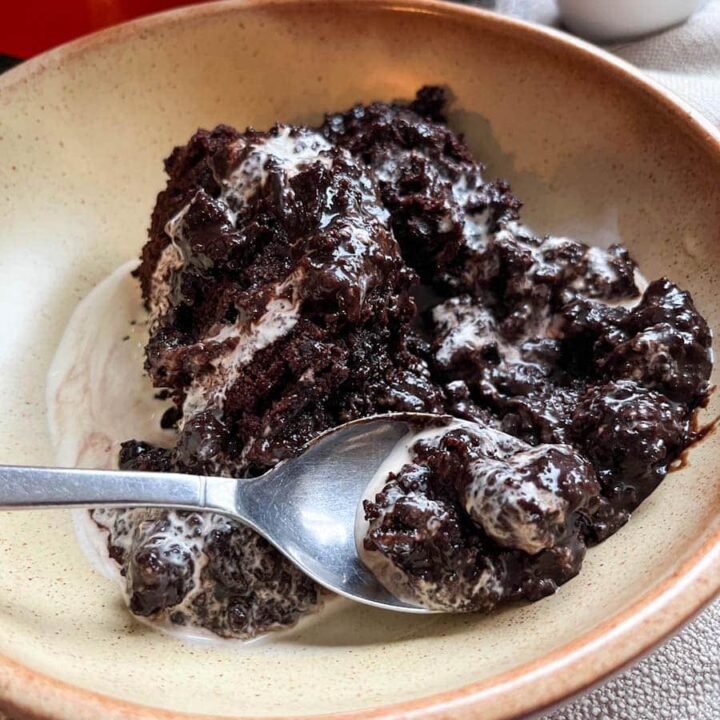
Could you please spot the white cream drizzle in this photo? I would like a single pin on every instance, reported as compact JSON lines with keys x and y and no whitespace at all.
{"x":170,"y":261}
{"x":496,"y":500}
{"x":280,"y":316}
{"x":97,"y":393}
{"x":290,"y":151}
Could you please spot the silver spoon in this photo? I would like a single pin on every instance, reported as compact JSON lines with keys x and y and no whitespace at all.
{"x":306,"y":507}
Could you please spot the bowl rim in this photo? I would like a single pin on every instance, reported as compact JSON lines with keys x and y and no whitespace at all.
{"x":528,"y":688}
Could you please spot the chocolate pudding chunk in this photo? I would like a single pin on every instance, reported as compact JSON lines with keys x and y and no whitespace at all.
{"x":302,"y":277}
{"x":478,"y":516}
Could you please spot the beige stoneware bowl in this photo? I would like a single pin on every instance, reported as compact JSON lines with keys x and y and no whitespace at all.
{"x":590,"y":146}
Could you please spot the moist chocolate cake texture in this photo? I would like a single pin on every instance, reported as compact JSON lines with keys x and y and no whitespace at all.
{"x":287,"y":279}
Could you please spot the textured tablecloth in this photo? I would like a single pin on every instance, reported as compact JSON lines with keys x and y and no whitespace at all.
{"x":685,"y":58}
{"x":681,"y":679}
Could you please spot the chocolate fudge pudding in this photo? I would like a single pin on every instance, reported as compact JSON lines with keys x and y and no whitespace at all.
{"x":302,"y":277}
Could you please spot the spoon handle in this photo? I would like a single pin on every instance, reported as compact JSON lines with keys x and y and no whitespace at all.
{"x":39,"y":487}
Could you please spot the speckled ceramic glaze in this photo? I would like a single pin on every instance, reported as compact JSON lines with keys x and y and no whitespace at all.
{"x":591,"y":148}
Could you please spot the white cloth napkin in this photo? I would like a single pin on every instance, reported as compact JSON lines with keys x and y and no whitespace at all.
{"x":681,"y":679}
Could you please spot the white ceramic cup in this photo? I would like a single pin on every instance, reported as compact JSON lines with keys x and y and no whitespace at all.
{"x":612,"y":20}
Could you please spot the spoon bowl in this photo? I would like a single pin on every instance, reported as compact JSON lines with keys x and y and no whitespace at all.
{"x":305,"y":506}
